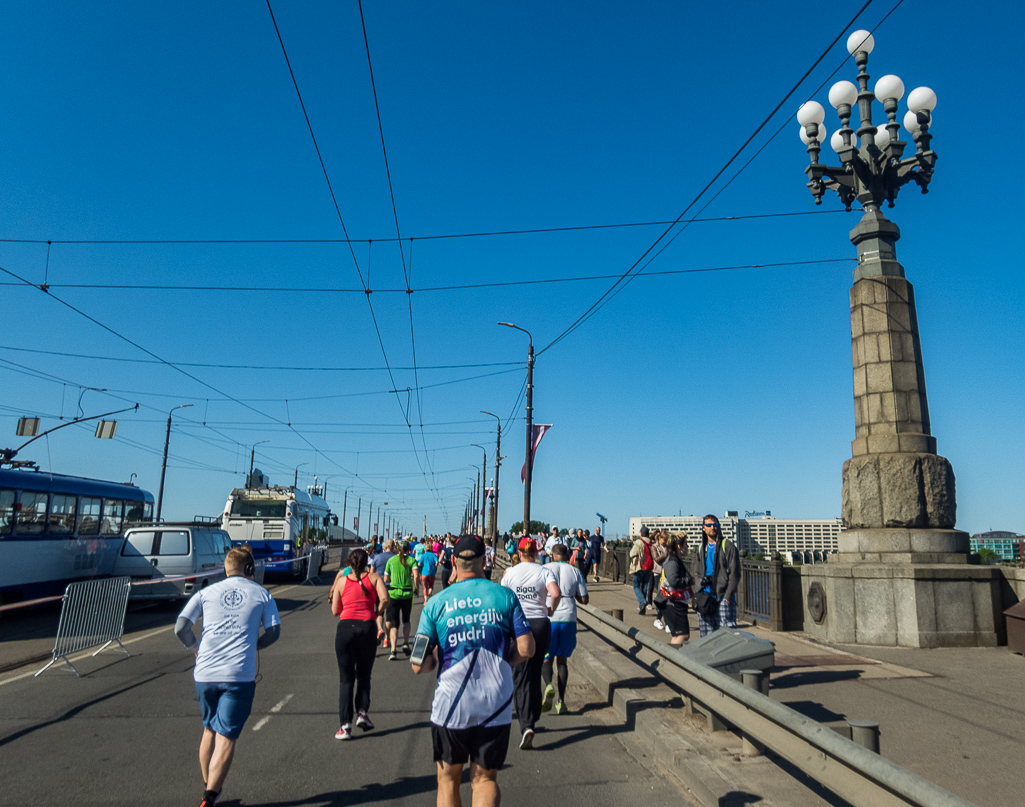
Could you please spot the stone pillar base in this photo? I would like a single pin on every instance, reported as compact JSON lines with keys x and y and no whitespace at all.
{"x":903,"y":604}
{"x":903,"y":545}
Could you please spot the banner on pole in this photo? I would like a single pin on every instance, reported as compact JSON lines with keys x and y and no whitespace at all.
{"x":355,"y":523}
{"x":487,"y":493}
{"x":540,"y":429}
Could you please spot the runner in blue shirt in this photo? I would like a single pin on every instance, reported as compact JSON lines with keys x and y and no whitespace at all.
{"x":475,"y":629}
{"x":428,"y":568}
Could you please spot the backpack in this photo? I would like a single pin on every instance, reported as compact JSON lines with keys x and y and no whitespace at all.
{"x":647,"y":564}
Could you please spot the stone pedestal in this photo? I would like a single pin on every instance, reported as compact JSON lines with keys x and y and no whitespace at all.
{"x":903,"y":604}
{"x":902,"y":576}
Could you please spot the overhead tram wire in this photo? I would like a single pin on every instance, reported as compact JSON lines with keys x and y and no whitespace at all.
{"x":406,"y":271}
{"x":338,"y":212}
{"x":623,"y":278}
{"x":444,"y":236}
{"x":740,"y":171}
{"x":164,"y":361}
{"x":461,"y":287}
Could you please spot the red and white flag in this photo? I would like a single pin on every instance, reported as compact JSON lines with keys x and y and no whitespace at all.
{"x":375,"y":526}
{"x":539,"y":431}
{"x":487,"y":493}
{"x":355,"y":523}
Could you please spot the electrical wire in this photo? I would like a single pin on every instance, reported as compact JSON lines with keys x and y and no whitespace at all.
{"x":623,"y":278}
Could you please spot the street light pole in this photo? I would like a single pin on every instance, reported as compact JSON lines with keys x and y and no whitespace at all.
{"x":295,"y":484}
{"x":529,"y":462}
{"x":163,"y":464}
{"x":498,"y":462}
{"x":252,"y":458}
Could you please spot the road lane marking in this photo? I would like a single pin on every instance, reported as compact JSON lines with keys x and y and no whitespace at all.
{"x":274,"y":710}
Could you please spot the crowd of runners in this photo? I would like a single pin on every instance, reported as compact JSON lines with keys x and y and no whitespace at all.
{"x":494,"y":644}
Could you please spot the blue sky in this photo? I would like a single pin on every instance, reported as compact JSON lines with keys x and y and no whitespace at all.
{"x":694,"y":392}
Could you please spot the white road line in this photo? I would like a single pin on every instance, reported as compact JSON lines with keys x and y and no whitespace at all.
{"x":277,"y":707}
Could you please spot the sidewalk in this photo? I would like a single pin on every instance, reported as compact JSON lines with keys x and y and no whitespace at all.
{"x":951,"y":715}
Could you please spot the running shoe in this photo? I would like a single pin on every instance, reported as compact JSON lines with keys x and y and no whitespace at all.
{"x":658,"y":623}
{"x":380,"y":635}
{"x":642,"y":610}
{"x":546,"y":703}
{"x":344,"y":732}
{"x":667,"y":629}
{"x":407,"y":649}
{"x":560,"y":708}
{"x":208,"y":802}
{"x":527,"y":740}
{"x":363,"y":721}
{"x":596,"y":578}
{"x":385,"y":642}
{"x":393,"y":656}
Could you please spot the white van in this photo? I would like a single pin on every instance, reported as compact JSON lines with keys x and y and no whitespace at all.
{"x":154,"y":551}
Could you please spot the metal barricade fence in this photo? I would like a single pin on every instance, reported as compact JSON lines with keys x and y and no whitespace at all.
{"x":316,"y":560}
{"x":92,"y":613}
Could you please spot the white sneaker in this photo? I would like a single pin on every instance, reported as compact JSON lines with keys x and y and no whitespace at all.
{"x":527,"y":740}
{"x":659,"y":625}
{"x":667,"y":629}
{"x":344,"y":733}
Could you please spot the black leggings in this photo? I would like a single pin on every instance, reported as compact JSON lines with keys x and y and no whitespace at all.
{"x":527,"y":676}
{"x":355,"y":647}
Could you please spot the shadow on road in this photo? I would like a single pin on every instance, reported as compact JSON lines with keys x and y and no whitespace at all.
{"x":800,"y":679}
{"x":374,"y":793}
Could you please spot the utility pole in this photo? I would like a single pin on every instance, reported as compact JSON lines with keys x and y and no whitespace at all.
{"x":359,"y":510}
{"x":252,"y":457}
{"x":345,"y":501}
{"x":529,"y":462}
{"x":163,"y":465}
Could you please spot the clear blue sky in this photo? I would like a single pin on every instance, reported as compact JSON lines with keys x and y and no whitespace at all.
{"x":694,"y":392}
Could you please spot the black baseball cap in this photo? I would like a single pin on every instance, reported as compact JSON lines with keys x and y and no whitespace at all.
{"x":469,"y":547}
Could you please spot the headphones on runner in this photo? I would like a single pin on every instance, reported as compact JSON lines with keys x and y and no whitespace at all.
{"x":249,"y":570}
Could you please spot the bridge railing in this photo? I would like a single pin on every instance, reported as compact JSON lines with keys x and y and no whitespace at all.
{"x":849,"y":770}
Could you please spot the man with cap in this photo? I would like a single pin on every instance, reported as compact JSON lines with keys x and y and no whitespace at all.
{"x":538,"y":592}
{"x":475,"y":630}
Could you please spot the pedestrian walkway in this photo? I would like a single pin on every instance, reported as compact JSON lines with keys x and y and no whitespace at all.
{"x":951,"y":715}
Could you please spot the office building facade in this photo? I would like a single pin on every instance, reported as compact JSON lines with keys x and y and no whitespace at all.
{"x":759,"y":536}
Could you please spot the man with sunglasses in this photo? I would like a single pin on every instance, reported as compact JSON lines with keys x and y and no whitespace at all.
{"x":718,"y":568}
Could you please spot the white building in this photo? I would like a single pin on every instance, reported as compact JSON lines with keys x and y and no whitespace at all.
{"x":759,"y":536}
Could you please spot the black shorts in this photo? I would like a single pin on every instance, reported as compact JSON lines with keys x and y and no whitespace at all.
{"x":674,"y":614}
{"x":396,"y":607}
{"x":484,"y":745}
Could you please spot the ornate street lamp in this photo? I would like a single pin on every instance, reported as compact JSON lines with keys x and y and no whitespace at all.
{"x":899,"y":546}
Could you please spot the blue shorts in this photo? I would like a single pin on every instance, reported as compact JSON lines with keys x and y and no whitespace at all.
{"x":564,"y":640}
{"x":226,"y":705}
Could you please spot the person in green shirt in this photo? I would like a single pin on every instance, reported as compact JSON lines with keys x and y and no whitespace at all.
{"x":401,"y":577}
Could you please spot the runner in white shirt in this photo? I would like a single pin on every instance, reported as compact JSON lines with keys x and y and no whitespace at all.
{"x":232,"y":612}
{"x":573,"y":587}
{"x":533,"y":585}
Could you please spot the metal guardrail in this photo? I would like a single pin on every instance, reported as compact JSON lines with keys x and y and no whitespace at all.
{"x":849,"y":770}
{"x":92,"y":613}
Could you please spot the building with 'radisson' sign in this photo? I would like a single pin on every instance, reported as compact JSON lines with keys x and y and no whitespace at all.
{"x":759,"y":536}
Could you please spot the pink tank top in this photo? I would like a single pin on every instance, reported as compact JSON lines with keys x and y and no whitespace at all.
{"x":358,"y":599}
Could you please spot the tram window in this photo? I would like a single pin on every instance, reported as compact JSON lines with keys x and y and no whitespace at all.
{"x":32,"y":513}
{"x":89,"y":516}
{"x":62,"y":514}
{"x":138,"y":543}
{"x":174,"y":543}
{"x":6,"y":512}
{"x":112,"y":513}
{"x":135,"y":512}
{"x":147,"y":512}
{"x":258,"y":509}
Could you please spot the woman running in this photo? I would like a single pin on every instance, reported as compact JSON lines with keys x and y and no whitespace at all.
{"x":357,"y":597}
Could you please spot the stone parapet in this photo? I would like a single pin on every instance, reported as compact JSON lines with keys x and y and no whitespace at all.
{"x":901,"y":604}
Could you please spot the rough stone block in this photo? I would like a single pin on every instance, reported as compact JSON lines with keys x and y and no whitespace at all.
{"x":897,"y":489}
{"x":881,"y":348}
{"x":882,"y":443}
{"x":857,"y":325}
{"x":899,"y":315}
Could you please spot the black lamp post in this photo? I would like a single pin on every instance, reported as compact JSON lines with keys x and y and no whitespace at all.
{"x":163,"y":464}
{"x":530,"y":425}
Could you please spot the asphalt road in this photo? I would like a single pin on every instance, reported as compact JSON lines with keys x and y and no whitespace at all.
{"x":127,"y":732}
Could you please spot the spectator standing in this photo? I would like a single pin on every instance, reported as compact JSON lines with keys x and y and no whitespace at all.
{"x":400,"y":577}
{"x":357,"y":596}
{"x":535,"y":587}
{"x":674,"y":591}
{"x":472,"y":708}
{"x":659,"y":552}
{"x":718,"y":567}
{"x":641,"y":564}
{"x":597,"y":544}
{"x":573,"y":588}
{"x":232,"y":611}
